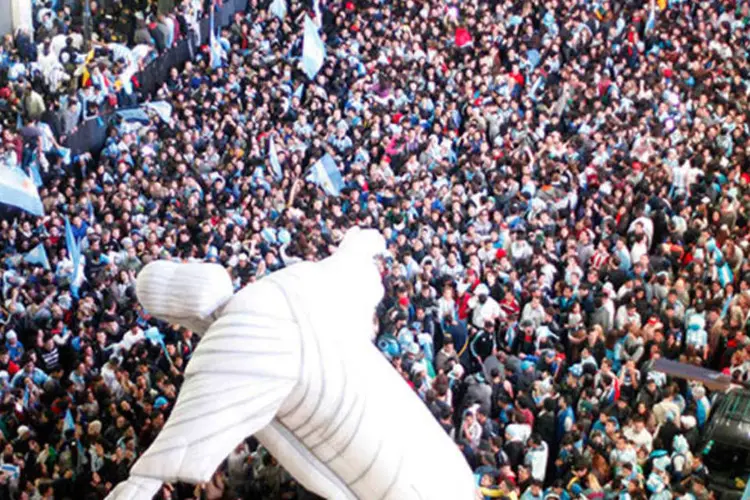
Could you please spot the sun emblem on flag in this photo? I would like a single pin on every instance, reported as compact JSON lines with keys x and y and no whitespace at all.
{"x":26,"y":185}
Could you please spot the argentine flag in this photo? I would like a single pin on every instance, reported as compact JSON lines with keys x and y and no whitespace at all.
{"x":326,"y":175}
{"x":157,"y":338}
{"x":162,"y":109}
{"x":68,"y":423}
{"x":18,"y":190}
{"x":213,"y":43}
{"x":274,"y":159}
{"x":278,"y":8}
{"x":74,"y":253}
{"x":38,"y":256}
{"x":313,"y":49}
{"x":651,"y":21}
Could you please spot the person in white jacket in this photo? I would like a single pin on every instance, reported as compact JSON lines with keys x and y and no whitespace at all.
{"x":485,"y":308}
{"x":536,"y":457}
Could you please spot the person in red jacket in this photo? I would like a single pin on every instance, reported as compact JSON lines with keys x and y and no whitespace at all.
{"x":6,"y":363}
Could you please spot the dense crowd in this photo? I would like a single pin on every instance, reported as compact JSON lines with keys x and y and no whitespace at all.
{"x":52,"y":71}
{"x":563,"y":186}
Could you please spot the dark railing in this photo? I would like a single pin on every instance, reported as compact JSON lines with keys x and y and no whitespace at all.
{"x":91,"y":135}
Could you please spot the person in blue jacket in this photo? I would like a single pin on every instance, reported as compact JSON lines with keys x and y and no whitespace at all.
{"x":565,"y":418}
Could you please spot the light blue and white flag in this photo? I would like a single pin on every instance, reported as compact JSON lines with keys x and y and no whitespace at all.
{"x":38,"y":256}
{"x":74,"y":252}
{"x":35,"y":175}
{"x":92,"y":215}
{"x":313,"y":49}
{"x":10,"y":470}
{"x":274,"y":160}
{"x":316,"y":10}
{"x":11,"y":279}
{"x":724,"y":273}
{"x":326,"y":175}
{"x":66,"y":154}
{"x":651,"y":21}
{"x":214,"y":44}
{"x":68,"y":424}
{"x":157,"y":338}
{"x":18,"y":189}
{"x":299,"y":90}
{"x":278,"y":8}
{"x":133,"y":115}
{"x":162,"y":108}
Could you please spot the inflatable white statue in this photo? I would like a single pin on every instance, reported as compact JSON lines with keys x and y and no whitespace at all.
{"x":290,"y":360}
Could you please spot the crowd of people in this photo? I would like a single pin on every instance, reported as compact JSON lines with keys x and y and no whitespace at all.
{"x":54,"y":72}
{"x":563,"y":187}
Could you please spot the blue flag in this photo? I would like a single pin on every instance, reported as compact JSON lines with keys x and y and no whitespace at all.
{"x":278,"y":8}
{"x":155,"y":336}
{"x":651,"y":21}
{"x":133,"y":115}
{"x":10,"y":279}
{"x":66,"y":154}
{"x":68,"y":424}
{"x":35,"y":175}
{"x":18,"y":189}
{"x":326,"y":175}
{"x":26,"y":396}
{"x":274,"y":159}
{"x":313,"y":50}
{"x":213,"y":43}
{"x":10,"y":470}
{"x":299,"y":90}
{"x":162,"y":109}
{"x":38,"y":256}
{"x":74,"y":252}
{"x":316,"y":11}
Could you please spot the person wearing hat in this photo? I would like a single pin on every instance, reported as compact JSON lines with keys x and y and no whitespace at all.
{"x":14,"y":346}
{"x":484,"y":308}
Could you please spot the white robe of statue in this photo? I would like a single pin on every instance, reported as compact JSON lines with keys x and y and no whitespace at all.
{"x":290,"y":360}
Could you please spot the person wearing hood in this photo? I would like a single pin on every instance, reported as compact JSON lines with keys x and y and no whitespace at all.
{"x":702,"y":405}
{"x":682,"y":458}
{"x":14,"y":346}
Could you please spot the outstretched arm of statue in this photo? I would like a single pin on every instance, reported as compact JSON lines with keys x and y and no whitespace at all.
{"x":290,"y":359}
{"x":242,"y":370}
